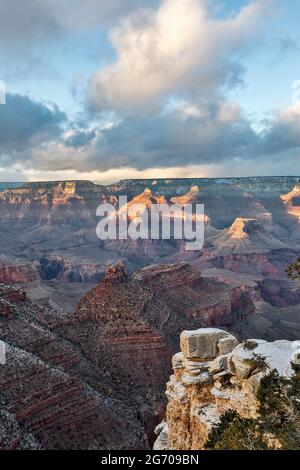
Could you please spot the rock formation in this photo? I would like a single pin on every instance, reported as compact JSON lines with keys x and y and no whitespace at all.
{"x":52,"y":396}
{"x":191,"y":197}
{"x":292,"y":201}
{"x":18,"y":271}
{"x":148,"y":198}
{"x":49,"y":245}
{"x":48,"y":229}
{"x":214,"y":374}
{"x":110,"y":358}
{"x":248,"y":236}
{"x":125,"y":329}
{"x":134,"y":321}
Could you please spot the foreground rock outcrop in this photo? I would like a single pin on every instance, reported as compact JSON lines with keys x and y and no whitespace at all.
{"x":217,"y":379}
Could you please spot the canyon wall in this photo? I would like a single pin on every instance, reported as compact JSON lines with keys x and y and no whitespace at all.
{"x":51,"y":395}
{"x":48,"y":230}
{"x":68,"y":375}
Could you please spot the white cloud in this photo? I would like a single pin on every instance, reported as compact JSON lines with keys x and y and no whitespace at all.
{"x":19,"y":173}
{"x":233,"y":168}
{"x":177,"y":48}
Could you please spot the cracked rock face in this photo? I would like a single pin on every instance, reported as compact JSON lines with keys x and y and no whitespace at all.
{"x":206,"y":343}
{"x":161,"y":432}
{"x":213,"y":373}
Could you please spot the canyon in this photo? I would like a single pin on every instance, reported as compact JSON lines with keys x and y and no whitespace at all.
{"x":68,"y":374}
{"x":51,"y":394}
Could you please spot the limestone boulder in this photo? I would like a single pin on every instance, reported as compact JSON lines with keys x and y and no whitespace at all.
{"x":195,"y":367}
{"x":177,"y":361}
{"x":201,"y":379}
{"x":242,"y":362}
{"x":219,"y":364}
{"x":253,"y":383}
{"x":227,"y":344}
{"x":161,"y":442}
{"x":206,"y":343}
{"x":255,"y":355}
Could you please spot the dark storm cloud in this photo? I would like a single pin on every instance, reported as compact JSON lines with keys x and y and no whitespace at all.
{"x":283,"y":134}
{"x":188,"y":135}
{"x":33,"y":135}
{"x":209,"y":133}
{"x":25,"y":123}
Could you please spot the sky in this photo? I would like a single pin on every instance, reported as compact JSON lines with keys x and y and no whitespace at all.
{"x":149,"y":88}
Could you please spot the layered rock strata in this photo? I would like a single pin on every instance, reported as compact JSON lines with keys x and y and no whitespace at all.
{"x":51,"y":395}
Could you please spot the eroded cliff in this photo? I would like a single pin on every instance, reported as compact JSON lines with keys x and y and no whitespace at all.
{"x":51,"y":395}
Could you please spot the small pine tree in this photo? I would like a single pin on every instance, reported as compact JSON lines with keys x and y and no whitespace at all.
{"x":279,"y":420}
{"x":293,"y":270}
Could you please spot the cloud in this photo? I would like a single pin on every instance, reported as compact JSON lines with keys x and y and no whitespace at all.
{"x":31,"y":31}
{"x":25,"y":123}
{"x":29,"y":22}
{"x":107,"y":177}
{"x":205,"y":138}
{"x":174,"y":61}
{"x":79,"y":138}
{"x":232,"y":168}
{"x":177,"y":48}
{"x":288,"y":44}
{"x":282,"y":133}
{"x":86,"y":14}
{"x":187,"y":132}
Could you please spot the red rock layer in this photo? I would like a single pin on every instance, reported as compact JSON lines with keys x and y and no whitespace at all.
{"x":110,"y":328}
{"x":138,"y":317}
{"x":17,"y":273}
{"x":96,"y":378}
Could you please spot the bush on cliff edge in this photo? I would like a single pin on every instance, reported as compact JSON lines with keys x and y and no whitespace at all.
{"x":278,"y":426}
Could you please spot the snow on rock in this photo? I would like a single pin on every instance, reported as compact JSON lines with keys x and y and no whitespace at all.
{"x":214,"y":374}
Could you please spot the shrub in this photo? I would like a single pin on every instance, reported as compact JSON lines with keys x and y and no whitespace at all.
{"x":250,"y":345}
